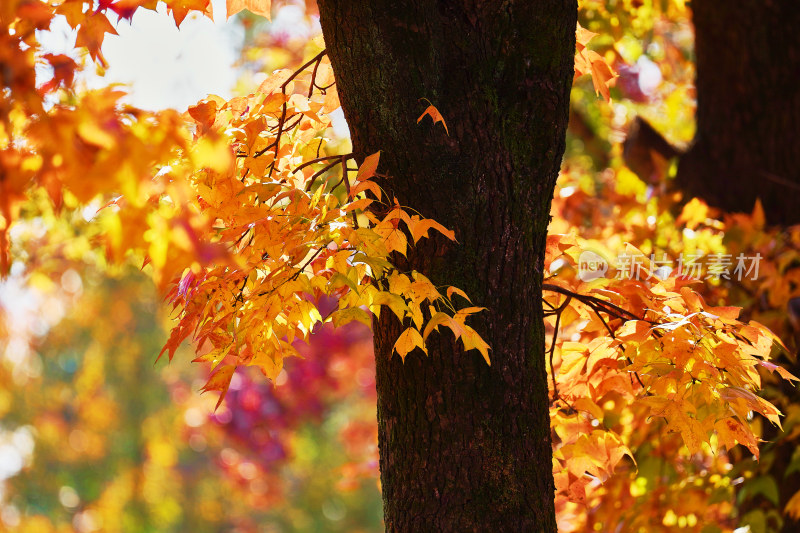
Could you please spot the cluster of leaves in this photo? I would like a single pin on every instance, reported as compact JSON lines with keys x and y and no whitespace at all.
{"x":296,"y":233}
{"x":590,"y":62}
{"x":683,"y":473}
{"x":240,"y":211}
{"x":657,"y":344}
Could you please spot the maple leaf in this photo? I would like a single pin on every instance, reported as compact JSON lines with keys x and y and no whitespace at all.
{"x":793,"y":506}
{"x":407,"y":341}
{"x":368,"y":168}
{"x":432,"y":112}
{"x":92,"y":32}
{"x":257,"y":7}
{"x":590,"y":62}
{"x":455,"y":290}
{"x":220,"y":381}
{"x":693,"y":214}
{"x":419,"y":228}
{"x":473,"y":341}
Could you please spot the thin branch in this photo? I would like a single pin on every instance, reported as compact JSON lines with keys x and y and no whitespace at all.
{"x":316,"y":59}
{"x":597,"y":305}
{"x":321,"y":172}
{"x":319,"y":160}
{"x":608,"y":307}
{"x":553,"y":344}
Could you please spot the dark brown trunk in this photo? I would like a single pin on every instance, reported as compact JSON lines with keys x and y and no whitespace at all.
{"x":464,"y":446}
{"x":747,"y":144}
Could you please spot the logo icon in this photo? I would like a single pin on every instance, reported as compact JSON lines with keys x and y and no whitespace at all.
{"x":591,"y":266}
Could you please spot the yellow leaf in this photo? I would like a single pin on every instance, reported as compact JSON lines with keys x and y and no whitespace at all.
{"x":438,"y":319}
{"x":393,"y":301}
{"x":688,"y":427}
{"x":462,"y":314}
{"x":214,"y":155}
{"x":344,"y":316}
{"x":423,"y":289}
{"x":90,"y":132}
{"x":270,"y":365}
{"x":473,"y":341}
{"x":693,"y":214}
{"x":407,"y":341}
{"x":587,"y":405}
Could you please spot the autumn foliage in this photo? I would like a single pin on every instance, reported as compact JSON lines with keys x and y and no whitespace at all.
{"x":262,"y":237}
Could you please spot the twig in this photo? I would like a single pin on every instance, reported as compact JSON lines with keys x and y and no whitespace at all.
{"x":316,"y":59}
{"x":553,"y":344}
{"x":320,"y":173}
{"x":596,"y":305}
{"x":319,"y":160}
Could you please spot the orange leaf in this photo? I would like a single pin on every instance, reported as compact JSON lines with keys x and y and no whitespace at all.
{"x":730,"y":431}
{"x":278,"y":78}
{"x":220,"y":381}
{"x":366,"y":185}
{"x":435,"y":115}
{"x":583,"y":36}
{"x":393,"y":238}
{"x":420,"y":229}
{"x":758,"y":215}
{"x":368,"y":167}
{"x":634,"y":330}
{"x":793,"y":507}
{"x":91,"y":34}
{"x":257,"y":7}
{"x":602,"y":77}
{"x":455,"y":290}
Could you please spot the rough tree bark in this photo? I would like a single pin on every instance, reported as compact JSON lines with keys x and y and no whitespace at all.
{"x":747,"y":144}
{"x":464,"y":446}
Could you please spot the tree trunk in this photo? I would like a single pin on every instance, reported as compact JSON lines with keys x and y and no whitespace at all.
{"x":747,"y":144}
{"x":464,"y":446}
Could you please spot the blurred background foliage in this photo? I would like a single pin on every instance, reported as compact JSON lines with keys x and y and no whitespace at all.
{"x":95,"y":437}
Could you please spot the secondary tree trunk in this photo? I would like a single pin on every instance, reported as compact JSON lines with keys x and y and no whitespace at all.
{"x":747,"y":144}
{"x":464,"y":446}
